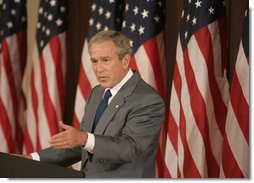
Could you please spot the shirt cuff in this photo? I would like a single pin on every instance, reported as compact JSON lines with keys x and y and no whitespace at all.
{"x":35,"y":156}
{"x":90,"y":142}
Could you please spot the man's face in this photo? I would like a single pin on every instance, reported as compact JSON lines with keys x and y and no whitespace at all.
{"x":107,"y":66}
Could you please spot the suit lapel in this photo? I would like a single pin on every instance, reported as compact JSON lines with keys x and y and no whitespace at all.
{"x":117,"y":102}
{"x":93,"y":104}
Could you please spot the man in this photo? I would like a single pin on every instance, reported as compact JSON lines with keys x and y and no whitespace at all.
{"x":123,"y":142}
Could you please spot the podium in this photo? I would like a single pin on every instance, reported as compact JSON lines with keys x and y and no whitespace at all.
{"x":12,"y":166}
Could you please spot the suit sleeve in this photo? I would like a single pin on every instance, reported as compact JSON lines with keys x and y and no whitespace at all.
{"x":140,"y":133}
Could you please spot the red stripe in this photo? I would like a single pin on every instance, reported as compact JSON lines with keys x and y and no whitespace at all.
{"x":199,"y":112}
{"x":189,"y":167}
{"x":240,"y":107}
{"x":173,"y":132}
{"x":154,"y":58}
{"x":76,"y":122}
{"x":230,"y":166}
{"x":49,"y":108}
{"x":205,"y":45}
{"x":28,"y":143}
{"x":34,"y":101}
{"x":56,"y":51}
{"x":133,"y":64}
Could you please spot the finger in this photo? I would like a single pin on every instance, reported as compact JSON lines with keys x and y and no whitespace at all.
{"x":58,"y":144}
{"x":64,"y":126}
{"x":58,"y":135}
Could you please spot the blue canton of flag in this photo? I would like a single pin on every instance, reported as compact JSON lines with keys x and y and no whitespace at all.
{"x":51,"y":22}
{"x":143,"y":20}
{"x":199,"y":14}
{"x":106,"y":15}
{"x":12,"y":18}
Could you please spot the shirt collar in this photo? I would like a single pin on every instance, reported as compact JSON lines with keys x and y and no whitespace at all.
{"x":117,"y":87}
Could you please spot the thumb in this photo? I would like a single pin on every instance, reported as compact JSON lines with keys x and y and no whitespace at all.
{"x":64,"y":126}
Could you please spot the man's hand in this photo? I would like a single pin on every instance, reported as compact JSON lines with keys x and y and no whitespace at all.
{"x":69,"y":138}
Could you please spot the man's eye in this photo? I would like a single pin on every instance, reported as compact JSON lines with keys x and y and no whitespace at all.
{"x":94,"y":61}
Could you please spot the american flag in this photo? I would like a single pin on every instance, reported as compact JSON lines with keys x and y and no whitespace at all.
{"x":46,"y":97}
{"x":143,"y":23}
{"x":235,"y":157}
{"x":199,"y":94}
{"x":106,"y":15}
{"x":13,"y":52}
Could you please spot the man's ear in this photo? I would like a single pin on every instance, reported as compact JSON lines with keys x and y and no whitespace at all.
{"x":126,"y":61}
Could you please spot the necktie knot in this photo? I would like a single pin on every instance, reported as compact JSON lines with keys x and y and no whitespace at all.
{"x":107,"y":95}
{"x":101,"y":108}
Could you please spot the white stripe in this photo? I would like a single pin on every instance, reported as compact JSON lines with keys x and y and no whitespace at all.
{"x":144,"y":66}
{"x":31,"y":121}
{"x":3,"y":146}
{"x":193,"y":136}
{"x":237,"y":142}
{"x":43,"y":128}
{"x":51,"y":79}
{"x":86,"y":64}
{"x":242,"y":71}
{"x":175,"y":111}
{"x":79,"y":104}
{"x":171,"y":158}
{"x":199,"y":66}
{"x":15,"y":62}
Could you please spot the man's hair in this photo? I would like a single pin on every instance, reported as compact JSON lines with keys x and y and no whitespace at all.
{"x":121,"y":42}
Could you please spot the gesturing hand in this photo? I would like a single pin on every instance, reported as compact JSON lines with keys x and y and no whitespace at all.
{"x":69,"y":138}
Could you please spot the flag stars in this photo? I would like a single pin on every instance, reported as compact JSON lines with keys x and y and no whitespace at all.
{"x":157,"y":19}
{"x":211,"y":10}
{"x":141,"y":30}
{"x":98,"y":26}
{"x":131,"y":43}
{"x":100,"y":11}
{"x":135,"y":10}
{"x":133,"y":27}
{"x":194,"y":21}
{"x":144,"y":14}
{"x":62,"y":9}
{"x":13,"y":12}
{"x":126,"y":7}
{"x":198,"y":3}
{"x":93,"y":7}
{"x":111,"y":1}
{"x":108,"y":15}
{"x":182,"y":13}
{"x":188,"y":18}
{"x":50,"y":17}
{"x":124,"y":24}
{"x":9,"y":25}
{"x":59,"y":22}
{"x":186,"y":35}
{"x":23,"y":19}
{"x":40,"y":10}
{"x":91,"y":21}
{"x":52,"y":3}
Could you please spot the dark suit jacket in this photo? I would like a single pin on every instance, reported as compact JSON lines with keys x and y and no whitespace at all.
{"x":126,"y":137}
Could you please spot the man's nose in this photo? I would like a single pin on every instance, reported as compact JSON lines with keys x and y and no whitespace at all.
{"x":99,"y":67}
